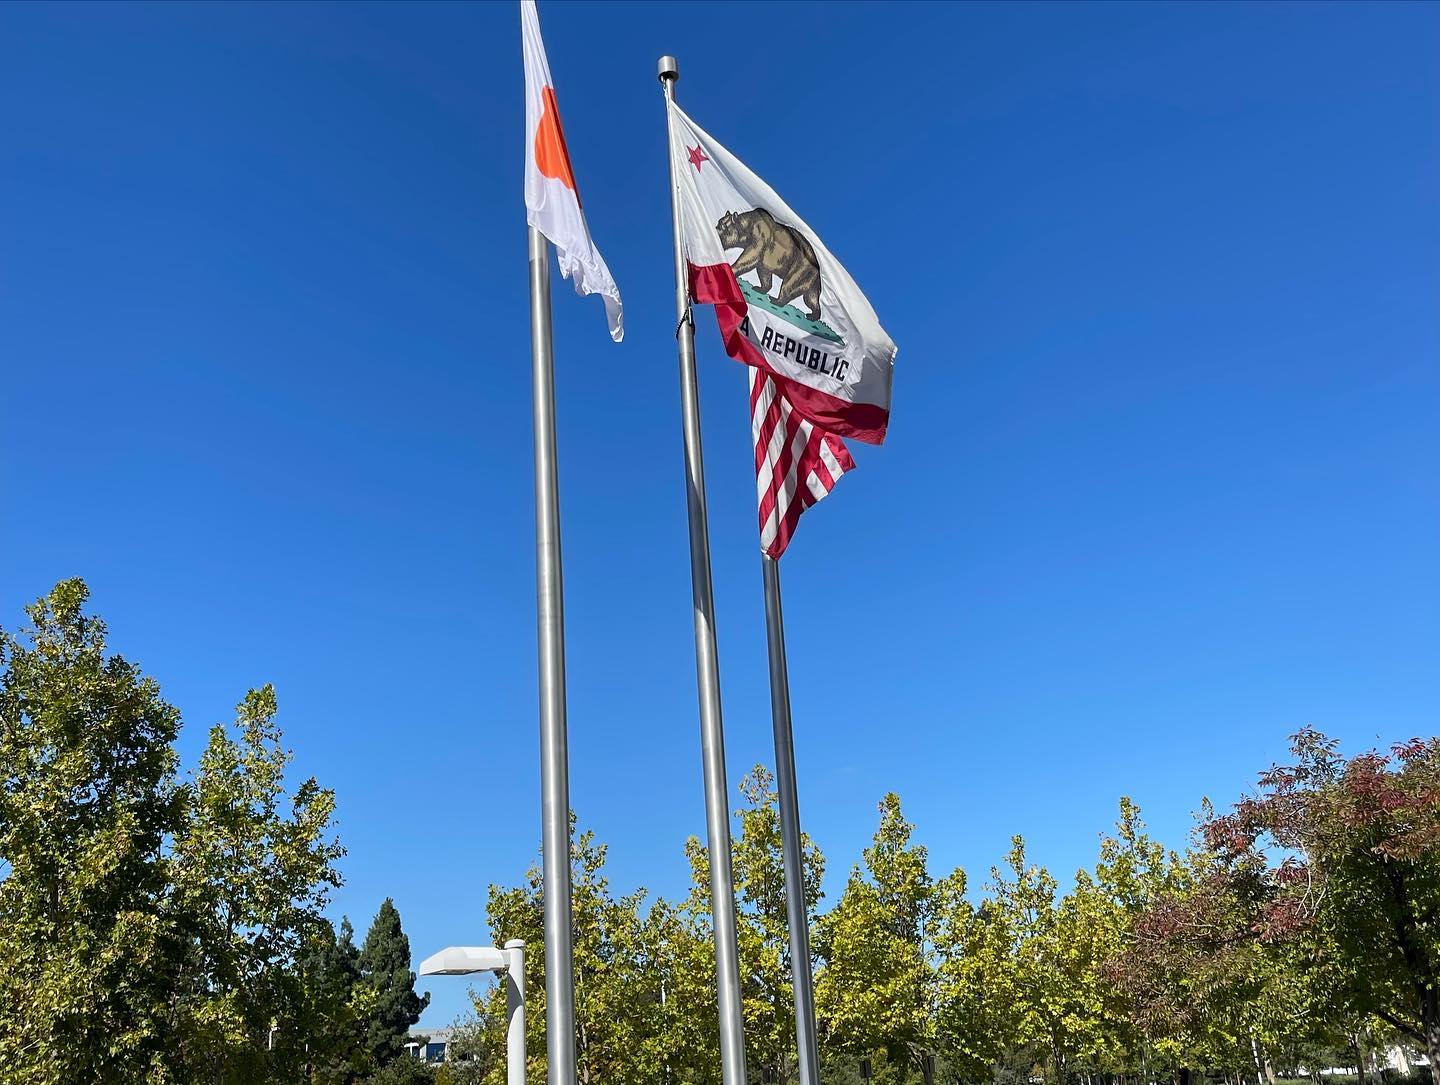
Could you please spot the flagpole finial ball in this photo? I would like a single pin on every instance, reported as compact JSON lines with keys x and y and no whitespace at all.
{"x":669,"y":68}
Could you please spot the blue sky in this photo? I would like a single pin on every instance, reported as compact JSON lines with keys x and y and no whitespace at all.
{"x":1161,"y":480}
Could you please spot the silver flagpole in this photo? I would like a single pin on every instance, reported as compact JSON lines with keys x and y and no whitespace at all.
{"x":796,"y":916}
{"x":554,"y":746}
{"x":707,"y":667}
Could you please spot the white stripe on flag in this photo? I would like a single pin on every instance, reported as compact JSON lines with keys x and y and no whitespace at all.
{"x":808,"y":455}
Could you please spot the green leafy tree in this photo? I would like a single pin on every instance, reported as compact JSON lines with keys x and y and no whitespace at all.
{"x":762,"y":936}
{"x":385,"y":967}
{"x":876,"y":992}
{"x":680,"y":952}
{"x":691,"y":1017}
{"x":617,"y":1001}
{"x":404,"y":1071}
{"x":514,"y":912}
{"x":1097,"y":923}
{"x":1095,"y":1040}
{"x":475,"y":1050}
{"x":151,"y":930}
{"x":1025,"y":896}
{"x":618,"y":995}
{"x":88,"y":803}
{"x":172,"y":932}
{"x":762,"y":925}
{"x":980,"y":1019}
{"x":253,"y":866}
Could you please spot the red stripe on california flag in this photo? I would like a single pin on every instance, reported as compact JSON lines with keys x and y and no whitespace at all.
{"x":796,"y":462}
{"x":715,"y":284}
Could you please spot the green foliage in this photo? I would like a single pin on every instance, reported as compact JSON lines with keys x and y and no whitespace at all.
{"x":618,"y":999}
{"x":151,"y":930}
{"x":252,"y":873}
{"x":1020,"y":982}
{"x":336,"y":1007}
{"x":171,"y":930}
{"x":88,"y":803}
{"x":762,"y":927}
{"x":476,"y":1049}
{"x":404,"y":1071}
{"x":645,"y":975}
{"x":680,"y":941}
{"x":976,"y":1009}
{"x":385,"y":970}
{"x":876,"y":991}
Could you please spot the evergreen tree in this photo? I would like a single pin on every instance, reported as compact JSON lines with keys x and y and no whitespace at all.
{"x":385,"y":966}
{"x":336,"y":1007}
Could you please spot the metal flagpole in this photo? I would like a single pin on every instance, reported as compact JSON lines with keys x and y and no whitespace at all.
{"x":550,"y":627}
{"x":796,"y":916}
{"x":707,"y":667}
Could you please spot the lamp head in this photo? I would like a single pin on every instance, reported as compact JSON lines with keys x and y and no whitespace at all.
{"x":464,"y":961}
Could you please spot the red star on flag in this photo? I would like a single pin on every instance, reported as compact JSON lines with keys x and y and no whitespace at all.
{"x":697,"y":156}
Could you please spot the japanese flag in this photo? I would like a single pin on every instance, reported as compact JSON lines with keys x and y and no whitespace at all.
{"x":552,"y":202}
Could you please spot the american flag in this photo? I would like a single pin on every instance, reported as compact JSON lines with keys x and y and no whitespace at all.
{"x":796,"y":462}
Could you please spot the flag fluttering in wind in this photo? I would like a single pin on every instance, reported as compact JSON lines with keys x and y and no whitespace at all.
{"x":786,"y":307}
{"x":552,"y":201}
{"x":796,"y":462}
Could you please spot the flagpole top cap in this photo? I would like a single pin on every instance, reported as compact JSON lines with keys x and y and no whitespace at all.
{"x":668,"y":68}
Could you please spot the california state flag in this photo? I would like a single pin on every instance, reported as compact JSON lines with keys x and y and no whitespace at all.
{"x":785,"y":305}
{"x":552,"y":202}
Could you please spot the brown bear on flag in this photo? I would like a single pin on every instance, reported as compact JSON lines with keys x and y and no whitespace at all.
{"x":821,"y":362}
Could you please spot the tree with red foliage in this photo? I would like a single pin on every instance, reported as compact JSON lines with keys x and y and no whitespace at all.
{"x":1343,"y":857}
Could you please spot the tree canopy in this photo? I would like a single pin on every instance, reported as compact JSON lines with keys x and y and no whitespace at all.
{"x":155,"y":927}
{"x":170,"y":927}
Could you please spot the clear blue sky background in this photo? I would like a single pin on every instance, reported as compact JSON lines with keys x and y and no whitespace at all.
{"x":1160,"y":488}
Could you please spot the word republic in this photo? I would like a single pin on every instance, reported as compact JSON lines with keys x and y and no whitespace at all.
{"x":783,"y":346}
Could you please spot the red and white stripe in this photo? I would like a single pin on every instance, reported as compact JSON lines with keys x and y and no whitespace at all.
{"x":796,"y":462}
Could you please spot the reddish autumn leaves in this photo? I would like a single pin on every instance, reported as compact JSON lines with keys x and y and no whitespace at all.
{"x":1314,"y":901}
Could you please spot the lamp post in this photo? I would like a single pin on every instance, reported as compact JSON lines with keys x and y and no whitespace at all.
{"x":509,"y":962}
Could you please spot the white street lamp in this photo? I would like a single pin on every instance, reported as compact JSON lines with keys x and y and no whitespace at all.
{"x":509,"y":962}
